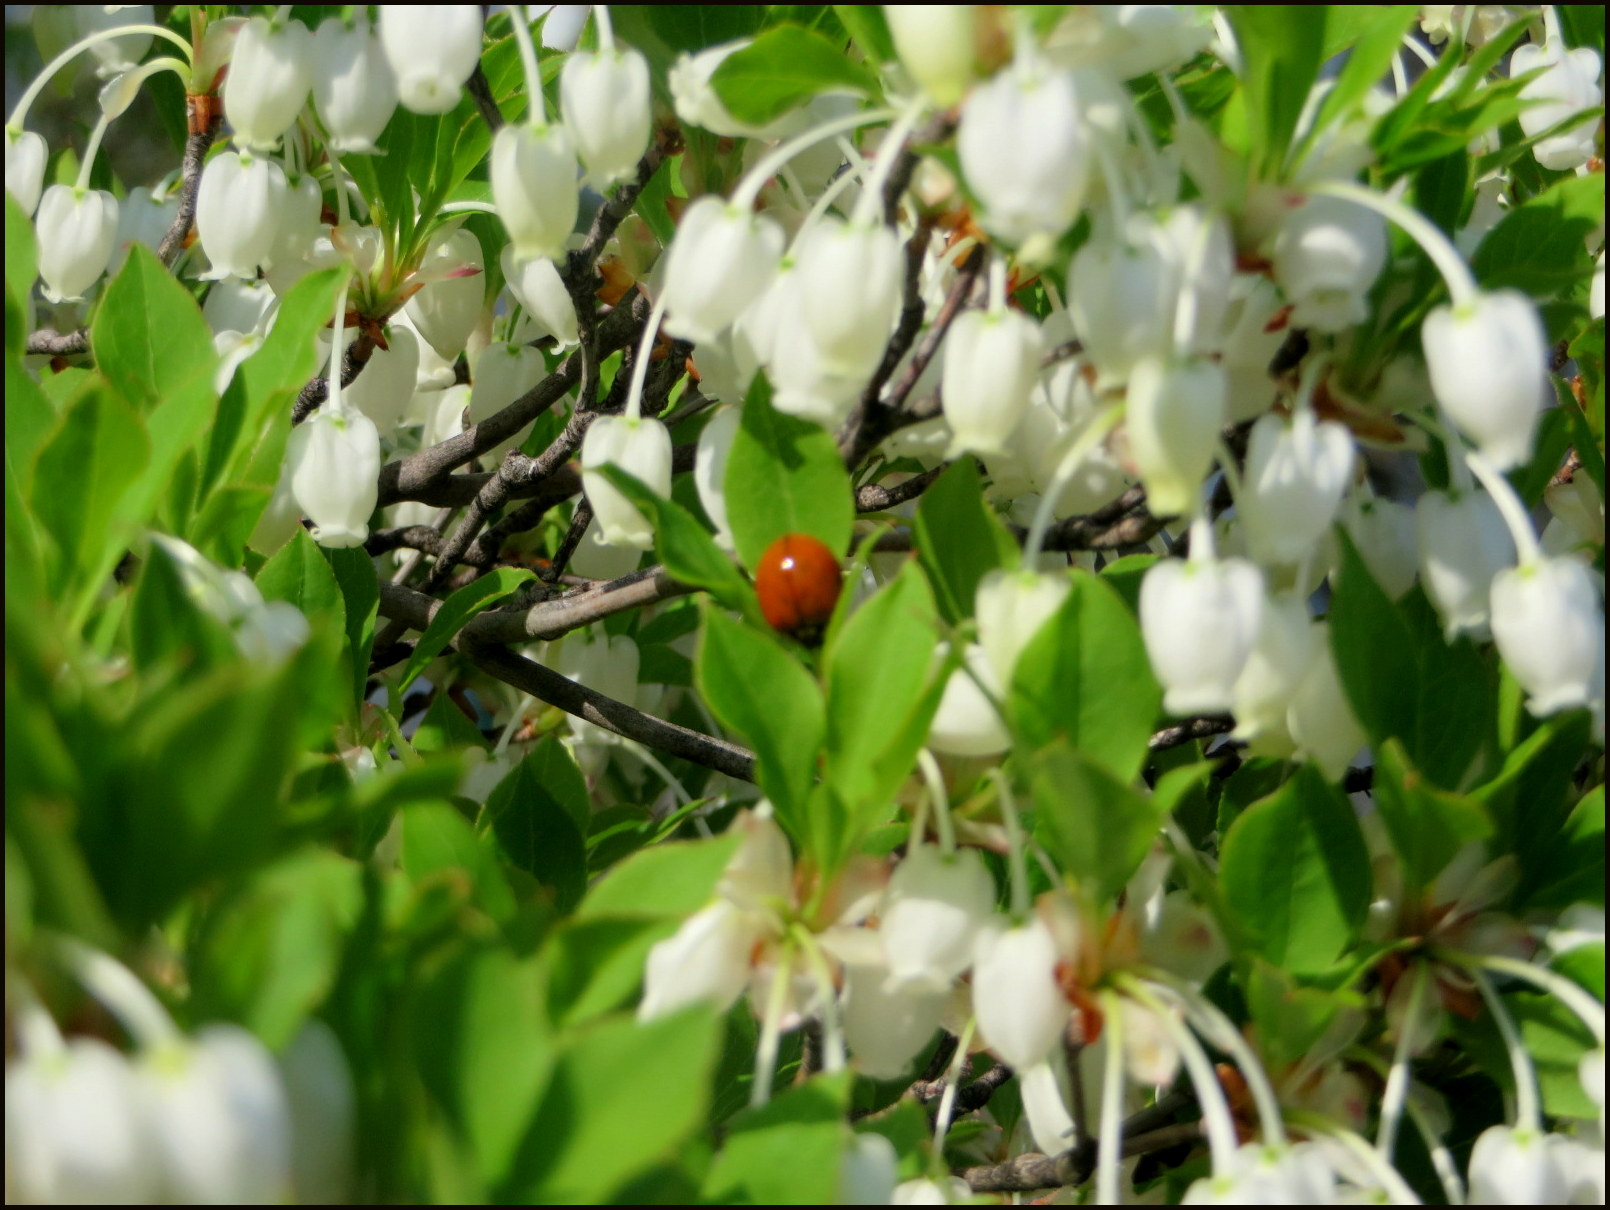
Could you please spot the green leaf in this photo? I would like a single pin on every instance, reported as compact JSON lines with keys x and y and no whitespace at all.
{"x":668,"y":881}
{"x":22,"y":269}
{"x":1096,"y":826}
{"x":1427,"y":826}
{"x":1291,"y":1018}
{"x":1296,"y":874}
{"x":299,"y":574}
{"x":1085,"y":678}
{"x":757,"y":688}
{"x":783,"y":68}
{"x":869,"y":28}
{"x":595,"y":966}
{"x":623,"y":1096}
{"x":536,"y":833}
{"x":439,"y":842}
{"x":149,"y":336}
{"x":787,"y":1152}
{"x":1403,"y":679}
{"x":29,"y":420}
{"x":1370,"y":61}
{"x":1282,"y":48}
{"x":444,"y":728}
{"x":1570,"y":867}
{"x":959,"y":538}
{"x":456,"y":611}
{"x":360,"y":593}
{"x":1539,"y":246}
{"x":784,"y":476}
{"x":166,"y":627}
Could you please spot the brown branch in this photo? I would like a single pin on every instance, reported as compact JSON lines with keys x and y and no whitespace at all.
{"x":1031,"y":1170}
{"x":1184,"y":733}
{"x":875,"y":498}
{"x":195,"y":156}
{"x":47,"y":342}
{"x":317,"y":390}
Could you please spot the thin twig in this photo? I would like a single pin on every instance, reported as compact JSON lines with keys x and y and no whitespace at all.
{"x":1184,"y":733}
{"x":195,"y":156}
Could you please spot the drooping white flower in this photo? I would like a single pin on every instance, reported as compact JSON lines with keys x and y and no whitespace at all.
{"x":1463,"y":545}
{"x":1121,"y":296}
{"x":26,"y":154}
{"x":937,"y":44}
{"x":604,"y":98}
{"x":76,"y":231}
{"x":710,"y":469}
{"x":1516,"y":1166}
{"x":118,"y":54}
{"x":966,"y":724}
{"x":869,"y":1171}
{"x":885,"y":1022}
{"x":1383,"y":532}
{"x":1274,"y":670}
{"x":270,"y":73}
{"x":1487,"y":359}
{"x":642,"y":448}
{"x":432,"y":49}
{"x":991,"y":365}
{"x":503,"y":372}
{"x":143,"y":217}
{"x":1173,"y":415}
{"x":239,"y":207}
{"x":850,"y":327}
{"x":537,"y":287}
{"x":1011,"y":607}
{"x":447,"y":308}
{"x":354,"y":88}
{"x":1020,"y":1009}
{"x":1327,"y":254}
{"x":1295,"y":477}
{"x":322,"y":1105}
{"x":935,"y":906}
{"x":1200,"y":619}
{"x":719,"y":262}
{"x":1569,"y":84}
{"x":1548,"y":622}
{"x":1023,"y":150}
{"x":533,"y":173}
{"x":334,"y":459}
{"x":384,"y":388}
{"x":1320,"y":718}
{"x":1264,"y":1175}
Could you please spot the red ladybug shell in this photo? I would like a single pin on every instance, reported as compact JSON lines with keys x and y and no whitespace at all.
{"x":798,"y":583}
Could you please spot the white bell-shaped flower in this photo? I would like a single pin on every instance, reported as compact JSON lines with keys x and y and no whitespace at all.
{"x":1383,"y":532}
{"x":1274,"y":671}
{"x":934,"y":907}
{"x":1011,"y":607}
{"x":710,"y":469}
{"x":354,"y":88}
{"x":1321,"y":721}
{"x":1463,"y":545}
{"x":270,"y":73}
{"x":219,"y":1119}
{"x":937,"y":44}
{"x":1569,"y":85}
{"x":870,"y":1169}
{"x":533,"y":172}
{"x":604,"y":98}
{"x":1263,"y":1175}
{"x":991,"y":366}
{"x":1173,"y":415}
{"x":448,"y":307}
{"x":536,"y":285}
{"x":385,"y":386}
{"x":239,"y":207}
{"x":707,"y":959}
{"x":851,"y":327}
{"x":887,"y":1022}
{"x":642,"y":448}
{"x":143,"y":217}
{"x":322,"y":1102}
{"x":966,"y":724}
{"x":1202,"y":252}
{"x":1327,"y":254}
{"x":719,"y":262}
{"x":1548,"y":622}
{"x":1200,"y":620}
{"x":76,"y":231}
{"x":1024,"y":152}
{"x":305,"y":242}
{"x":432,"y":49}
{"x":115,"y":55}
{"x":503,"y":372}
{"x":1121,"y":294}
{"x":773,"y":331}
{"x":1020,"y":1009}
{"x":1516,"y":1166}
{"x":26,"y":154}
{"x":1295,"y":477}
{"x":1487,"y":358}
{"x":334,"y":458}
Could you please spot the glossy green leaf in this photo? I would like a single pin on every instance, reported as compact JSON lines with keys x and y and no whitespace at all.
{"x":458,"y":609}
{"x":789,"y":1151}
{"x":668,"y":881}
{"x":867,"y":25}
{"x":29,"y":420}
{"x":1096,"y":826}
{"x":1427,"y":825}
{"x":1367,"y":64}
{"x":149,"y":336}
{"x":783,"y":68}
{"x":1539,"y":247}
{"x":1291,"y":1018}
{"x":439,"y":842}
{"x":1282,"y":48}
{"x":360,"y":594}
{"x":300,"y":575}
{"x":959,"y":539}
{"x":534,"y":832}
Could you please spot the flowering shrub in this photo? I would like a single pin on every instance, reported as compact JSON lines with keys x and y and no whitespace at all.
{"x":442,"y":763}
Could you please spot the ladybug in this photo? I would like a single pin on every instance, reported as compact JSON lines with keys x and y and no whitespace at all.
{"x":798,"y":581}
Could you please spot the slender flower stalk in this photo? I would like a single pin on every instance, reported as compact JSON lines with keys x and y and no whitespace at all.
{"x":1110,"y":1142}
{"x":1396,"y":1095}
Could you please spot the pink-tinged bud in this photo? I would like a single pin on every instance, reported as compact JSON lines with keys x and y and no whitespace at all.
{"x":1024,"y":152}
{"x":641,"y":448}
{"x":1569,"y":84}
{"x":1327,"y":254}
{"x":534,"y":186}
{"x":335,"y":474}
{"x":239,"y":208}
{"x":1463,"y":545}
{"x":937,"y":44}
{"x":604,"y":98}
{"x":26,"y":154}
{"x":354,"y":88}
{"x":77,"y":231}
{"x":1200,"y":621}
{"x":269,"y":76}
{"x":719,"y":262}
{"x":1295,"y":477}
{"x":1487,"y":358}
{"x":1020,"y":1009}
{"x":991,"y":366}
{"x":1549,"y":625}
{"x":432,"y":49}
{"x":1174,"y":412}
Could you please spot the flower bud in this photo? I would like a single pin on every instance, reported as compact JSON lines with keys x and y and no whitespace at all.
{"x":885,"y":1022}
{"x":1200,"y":620}
{"x":604,"y":98}
{"x":1274,"y":671}
{"x":269,"y":76}
{"x":385,"y":386}
{"x":1174,"y":413}
{"x":937,"y":44}
{"x":850,"y":327}
{"x":641,"y":448}
{"x":536,"y":286}
{"x":26,"y":154}
{"x":935,"y":906}
{"x":533,"y":171}
{"x":710,"y":469}
{"x":1549,"y":626}
{"x":432,"y":49}
{"x":1295,"y":477}
{"x":334,"y":460}
{"x":1487,"y":359}
{"x":1320,"y":719}
{"x":1463,"y":545}
{"x":1569,"y":84}
{"x":719,"y":262}
{"x":1011,"y":608}
{"x":1020,"y":1009}
{"x":239,"y":206}
{"x":991,"y":366}
{"x":966,"y":723}
{"x":1024,"y":152}
{"x":354,"y":88}
{"x":76,"y":230}
{"x":448,"y":307}
{"x":1327,"y":254}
